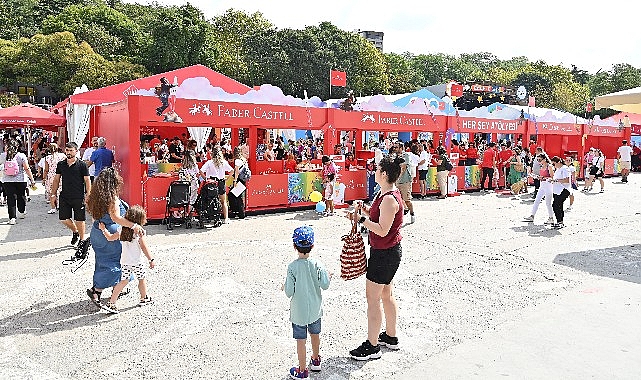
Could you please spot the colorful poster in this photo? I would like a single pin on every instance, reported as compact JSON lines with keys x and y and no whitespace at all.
{"x":472,"y":176}
{"x":300,"y":185}
{"x":432,"y":183}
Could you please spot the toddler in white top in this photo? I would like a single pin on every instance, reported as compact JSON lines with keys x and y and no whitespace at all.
{"x":131,"y":258}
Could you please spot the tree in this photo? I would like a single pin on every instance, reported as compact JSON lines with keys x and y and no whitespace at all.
{"x":18,"y":18}
{"x":59,"y":61}
{"x":111,"y":33}
{"x":402,"y":75}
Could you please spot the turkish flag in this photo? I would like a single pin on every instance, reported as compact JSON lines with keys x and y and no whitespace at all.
{"x":457,"y":90}
{"x":338,"y":78}
{"x":588,"y":107}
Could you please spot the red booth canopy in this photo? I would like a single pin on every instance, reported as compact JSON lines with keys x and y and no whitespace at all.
{"x":26,"y":114}
{"x":119,"y":92}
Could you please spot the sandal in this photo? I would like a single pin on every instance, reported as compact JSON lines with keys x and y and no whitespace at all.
{"x":124,"y":292}
{"x":94,"y":296}
{"x":111,"y":308}
{"x":145,"y":301}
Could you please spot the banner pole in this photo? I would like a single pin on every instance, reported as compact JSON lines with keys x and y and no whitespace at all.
{"x":330,"y":84}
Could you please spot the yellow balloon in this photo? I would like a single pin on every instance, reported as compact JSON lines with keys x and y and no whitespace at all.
{"x":315,"y":196}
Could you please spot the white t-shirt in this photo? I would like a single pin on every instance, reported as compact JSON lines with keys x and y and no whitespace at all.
{"x":560,"y":173}
{"x":131,"y":251}
{"x":211,"y":170}
{"x":86,"y":156}
{"x":41,"y":163}
{"x":425,"y":155}
{"x":414,"y":160}
{"x":626,"y":152}
{"x":20,"y":158}
{"x":598,"y":161}
{"x":378,"y":155}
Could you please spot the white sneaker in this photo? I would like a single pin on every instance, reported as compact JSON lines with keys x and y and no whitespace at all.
{"x":550,"y":221}
{"x":12,"y":221}
{"x":528,"y":219}
{"x":568,"y":209}
{"x":226,"y":221}
{"x":52,"y":211}
{"x":412,"y":219}
{"x":21,"y":215}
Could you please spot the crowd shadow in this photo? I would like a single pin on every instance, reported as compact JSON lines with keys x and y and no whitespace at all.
{"x":621,"y":263}
{"x":37,"y":254}
{"x":39,"y":319}
{"x":336,"y":367}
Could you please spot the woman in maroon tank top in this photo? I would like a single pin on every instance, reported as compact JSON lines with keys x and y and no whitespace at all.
{"x":383,"y":220}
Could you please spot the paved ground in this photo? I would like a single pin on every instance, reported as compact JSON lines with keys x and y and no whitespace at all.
{"x":481,"y":295}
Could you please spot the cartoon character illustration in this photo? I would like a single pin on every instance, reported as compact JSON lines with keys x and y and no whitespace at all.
{"x":163,"y":90}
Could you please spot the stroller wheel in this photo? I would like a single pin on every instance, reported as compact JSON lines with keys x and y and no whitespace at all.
{"x":200,"y":224}
{"x":188,"y":225}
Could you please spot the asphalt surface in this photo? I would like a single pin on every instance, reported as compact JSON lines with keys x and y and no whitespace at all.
{"x":481,"y":295}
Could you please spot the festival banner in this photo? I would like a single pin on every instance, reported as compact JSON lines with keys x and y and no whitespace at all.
{"x":301,"y":185}
{"x":385,"y":121}
{"x":545,"y":128}
{"x":481,"y":125}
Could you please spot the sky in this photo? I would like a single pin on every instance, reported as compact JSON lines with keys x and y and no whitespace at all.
{"x":591,"y":35}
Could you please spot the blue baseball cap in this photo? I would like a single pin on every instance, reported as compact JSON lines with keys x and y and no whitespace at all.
{"x":303,"y":236}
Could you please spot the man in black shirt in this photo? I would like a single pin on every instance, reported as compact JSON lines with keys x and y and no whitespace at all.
{"x":175,"y":151}
{"x":75,"y":189}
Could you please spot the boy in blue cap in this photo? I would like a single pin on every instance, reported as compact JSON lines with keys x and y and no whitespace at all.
{"x":305,"y":279}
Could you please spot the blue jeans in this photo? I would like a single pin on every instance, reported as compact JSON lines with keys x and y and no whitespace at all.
{"x":300,"y":332}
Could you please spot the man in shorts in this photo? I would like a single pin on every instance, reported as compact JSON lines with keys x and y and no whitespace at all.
{"x":625,"y":160}
{"x":76,"y":186}
{"x":404,"y":184}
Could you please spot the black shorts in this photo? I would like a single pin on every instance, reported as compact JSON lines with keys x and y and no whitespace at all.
{"x":221,"y":185}
{"x":595,"y":171}
{"x":383,"y":264}
{"x":422,"y":175}
{"x":67,"y":206}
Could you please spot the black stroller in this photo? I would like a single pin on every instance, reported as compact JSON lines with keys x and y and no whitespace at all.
{"x":177,"y":210}
{"x":208,"y":207}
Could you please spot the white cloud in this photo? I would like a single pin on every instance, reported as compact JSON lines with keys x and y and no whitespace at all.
{"x":559,"y":32}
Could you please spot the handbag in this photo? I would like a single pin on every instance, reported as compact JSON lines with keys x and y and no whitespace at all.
{"x":353,"y":261}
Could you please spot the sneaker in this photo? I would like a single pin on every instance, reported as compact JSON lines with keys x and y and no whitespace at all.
{"x":528,"y":219}
{"x":110,"y":307}
{"x":145,"y":301}
{"x":599,"y":192}
{"x":550,"y":221}
{"x":296,"y":373}
{"x":11,"y":221}
{"x":21,"y":215}
{"x":83,"y":248}
{"x":315,"y":364}
{"x":226,"y":221}
{"x":558,"y":226}
{"x":568,"y":209}
{"x":52,"y":211}
{"x":75,"y":238}
{"x":388,"y":341}
{"x":412,"y":219}
{"x":406,"y":211}
{"x":366,"y":351}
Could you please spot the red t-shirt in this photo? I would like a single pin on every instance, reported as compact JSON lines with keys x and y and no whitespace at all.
{"x":488,"y":158}
{"x":290,"y":166}
{"x":505,"y":155}
{"x":153,"y":142}
{"x":350,"y":163}
{"x":472,"y":153}
{"x":533,"y":149}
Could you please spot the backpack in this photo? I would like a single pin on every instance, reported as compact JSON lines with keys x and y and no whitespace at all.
{"x":244,"y":174}
{"x":448,"y":164}
{"x":11,"y":167}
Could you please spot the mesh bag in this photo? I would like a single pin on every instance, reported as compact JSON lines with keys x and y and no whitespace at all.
{"x":353,"y":261}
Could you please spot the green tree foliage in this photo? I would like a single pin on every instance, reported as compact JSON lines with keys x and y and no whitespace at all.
{"x":402,"y":75}
{"x":59,"y":61}
{"x":109,"y":32}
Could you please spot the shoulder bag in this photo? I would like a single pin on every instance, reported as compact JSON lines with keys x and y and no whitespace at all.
{"x":353,"y":261}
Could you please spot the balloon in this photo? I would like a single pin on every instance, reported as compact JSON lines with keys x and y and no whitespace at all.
{"x":315,"y":196}
{"x":320,"y":206}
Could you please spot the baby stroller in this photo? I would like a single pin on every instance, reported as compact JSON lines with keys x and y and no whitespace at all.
{"x":177,"y":210}
{"x":208,"y":207}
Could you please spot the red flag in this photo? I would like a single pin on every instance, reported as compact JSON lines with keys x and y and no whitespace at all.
{"x":588,"y":107}
{"x":531,"y":102}
{"x":457,"y":90}
{"x":338,"y":78}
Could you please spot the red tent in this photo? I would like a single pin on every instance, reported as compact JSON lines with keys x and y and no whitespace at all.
{"x":119,"y":92}
{"x":635,"y":121}
{"x":27,"y":114}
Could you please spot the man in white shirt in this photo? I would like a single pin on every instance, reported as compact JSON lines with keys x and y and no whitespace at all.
{"x":86,"y":157}
{"x":625,"y":160}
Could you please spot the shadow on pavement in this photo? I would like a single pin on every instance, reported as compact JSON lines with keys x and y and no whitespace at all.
{"x":621,"y":263}
{"x":37,"y":255}
{"x":337,"y":367}
{"x":536,"y":230}
{"x":40,"y":320}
